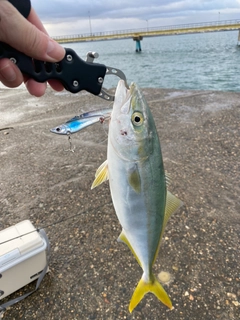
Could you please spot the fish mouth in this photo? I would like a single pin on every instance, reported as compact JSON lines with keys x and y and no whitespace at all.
{"x":131,"y":98}
{"x":122,"y":97}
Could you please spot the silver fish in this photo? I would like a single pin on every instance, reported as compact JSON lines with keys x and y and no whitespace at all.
{"x":137,"y":180}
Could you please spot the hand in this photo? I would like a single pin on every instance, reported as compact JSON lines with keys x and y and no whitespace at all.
{"x":30,"y":37}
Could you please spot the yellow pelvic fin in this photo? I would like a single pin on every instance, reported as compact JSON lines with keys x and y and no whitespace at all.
{"x":124,"y":239}
{"x":101,"y":175}
{"x":155,"y":287}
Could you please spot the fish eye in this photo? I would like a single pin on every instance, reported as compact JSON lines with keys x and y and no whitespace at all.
{"x":58,"y":129}
{"x":137,"y":119}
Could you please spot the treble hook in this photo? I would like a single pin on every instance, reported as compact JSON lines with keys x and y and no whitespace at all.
{"x":71,"y":148}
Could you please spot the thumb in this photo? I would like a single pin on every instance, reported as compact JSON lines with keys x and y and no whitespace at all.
{"x":24,"y":36}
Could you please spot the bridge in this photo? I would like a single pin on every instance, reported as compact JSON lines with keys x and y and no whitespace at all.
{"x":223,"y":25}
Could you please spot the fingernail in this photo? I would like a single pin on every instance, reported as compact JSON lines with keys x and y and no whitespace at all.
{"x":8,"y":73}
{"x":54,"y":51}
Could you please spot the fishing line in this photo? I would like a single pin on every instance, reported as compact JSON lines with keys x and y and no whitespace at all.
{"x":52,"y":224}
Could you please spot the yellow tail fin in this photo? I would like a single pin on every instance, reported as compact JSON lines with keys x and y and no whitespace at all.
{"x":154,"y":287}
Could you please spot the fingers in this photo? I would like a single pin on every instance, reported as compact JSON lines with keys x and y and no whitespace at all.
{"x":38,"y":89}
{"x":56,"y":85}
{"x":33,"y":18}
{"x":30,"y":37}
{"x":24,"y":36}
{"x":35,"y":88}
{"x":10,"y":75}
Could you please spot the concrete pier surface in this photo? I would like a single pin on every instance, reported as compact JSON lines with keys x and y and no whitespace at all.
{"x":92,"y":276}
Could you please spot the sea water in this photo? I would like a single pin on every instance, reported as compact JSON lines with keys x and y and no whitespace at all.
{"x":202,"y":61}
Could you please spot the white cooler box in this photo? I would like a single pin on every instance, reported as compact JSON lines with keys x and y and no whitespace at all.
{"x":23,"y":256}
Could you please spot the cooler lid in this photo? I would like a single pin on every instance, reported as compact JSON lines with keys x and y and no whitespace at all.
{"x":21,"y":237}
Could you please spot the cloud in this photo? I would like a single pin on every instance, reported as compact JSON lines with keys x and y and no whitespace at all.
{"x":72,"y":16}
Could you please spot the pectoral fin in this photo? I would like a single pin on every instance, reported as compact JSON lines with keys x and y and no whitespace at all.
{"x":101,"y":175}
{"x":134,"y":179}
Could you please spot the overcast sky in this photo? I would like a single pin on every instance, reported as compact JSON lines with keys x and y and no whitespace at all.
{"x":64,"y":17}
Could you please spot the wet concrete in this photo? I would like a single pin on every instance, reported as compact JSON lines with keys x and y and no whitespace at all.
{"x":91,"y":275}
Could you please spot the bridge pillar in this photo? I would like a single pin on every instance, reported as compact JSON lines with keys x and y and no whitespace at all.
{"x":138,"y":43}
